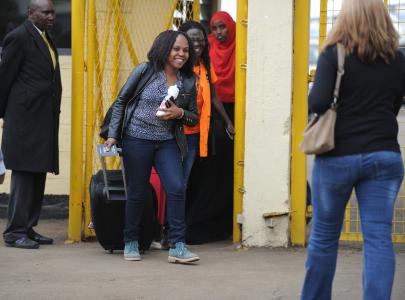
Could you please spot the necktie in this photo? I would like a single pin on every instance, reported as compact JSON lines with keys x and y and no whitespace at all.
{"x":43,"y":34}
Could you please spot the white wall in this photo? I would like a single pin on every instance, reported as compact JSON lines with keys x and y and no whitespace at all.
{"x":268,"y":110}
{"x":229,"y":6}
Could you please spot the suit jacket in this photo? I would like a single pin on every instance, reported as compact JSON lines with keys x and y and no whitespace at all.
{"x":30,"y":97}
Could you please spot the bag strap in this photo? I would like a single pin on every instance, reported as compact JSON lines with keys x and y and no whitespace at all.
{"x":340,"y":71}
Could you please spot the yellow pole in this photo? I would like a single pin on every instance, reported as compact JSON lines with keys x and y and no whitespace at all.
{"x":169,"y":23}
{"x":196,"y":10}
{"x":76,"y":154}
{"x":323,"y":15}
{"x":299,"y":121}
{"x":240,"y":95}
{"x":91,"y":49}
{"x":117,"y":50}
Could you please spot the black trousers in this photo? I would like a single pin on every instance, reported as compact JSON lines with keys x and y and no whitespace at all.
{"x":209,"y":201}
{"x":26,"y":195}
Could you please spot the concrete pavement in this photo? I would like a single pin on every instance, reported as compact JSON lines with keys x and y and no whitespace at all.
{"x":86,"y":271}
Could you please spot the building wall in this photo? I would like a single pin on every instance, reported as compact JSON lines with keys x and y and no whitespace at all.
{"x":58,"y":185}
{"x":268,"y":111}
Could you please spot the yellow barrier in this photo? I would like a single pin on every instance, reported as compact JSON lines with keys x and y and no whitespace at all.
{"x":240,"y":95}
{"x":76,"y":166}
{"x":299,"y":121}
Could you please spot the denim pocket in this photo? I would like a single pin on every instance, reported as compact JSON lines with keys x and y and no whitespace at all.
{"x":334,"y":173}
{"x":389,"y":167}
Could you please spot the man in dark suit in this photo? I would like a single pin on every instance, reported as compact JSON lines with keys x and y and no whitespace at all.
{"x":30,"y":96}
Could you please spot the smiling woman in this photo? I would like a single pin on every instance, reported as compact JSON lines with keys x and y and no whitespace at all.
{"x":150,"y":139}
{"x":203,"y":188}
{"x":178,"y":56}
{"x":14,"y":12}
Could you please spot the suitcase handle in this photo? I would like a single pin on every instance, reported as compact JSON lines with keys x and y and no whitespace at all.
{"x":103,"y":152}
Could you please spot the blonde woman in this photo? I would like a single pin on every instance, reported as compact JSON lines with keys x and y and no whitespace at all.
{"x":367,"y":156}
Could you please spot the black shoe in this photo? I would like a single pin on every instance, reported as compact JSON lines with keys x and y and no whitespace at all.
{"x":23,"y":243}
{"x":40,"y":239}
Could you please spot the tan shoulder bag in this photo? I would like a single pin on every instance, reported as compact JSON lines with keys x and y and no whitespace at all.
{"x":319,"y":135}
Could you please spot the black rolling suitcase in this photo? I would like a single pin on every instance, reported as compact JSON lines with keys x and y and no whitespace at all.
{"x":107,"y":199}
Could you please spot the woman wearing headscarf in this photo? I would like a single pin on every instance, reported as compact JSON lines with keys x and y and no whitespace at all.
{"x":222,"y":54}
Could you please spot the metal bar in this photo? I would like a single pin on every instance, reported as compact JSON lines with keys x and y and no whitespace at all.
{"x":76,"y":154}
{"x":347,"y":218}
{"x":196,"y":10}
{"x":299,"y":121}
{"x":91,"y":49}
{"x":127,"y":38}
{"x":104,"y":169}
{"x":116,"y":51}
{"x":100,"y":59}
{"x":115,"y":60}
{"x":240,"y":98}
{"x":398,"y":238}
{"x":106,"y":37}
{"x":169,"y":23}
{"x":323,"y":14}
{"x":352,"y":236}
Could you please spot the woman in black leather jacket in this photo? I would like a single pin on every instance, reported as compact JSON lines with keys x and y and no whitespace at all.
{"x":150,"y":140}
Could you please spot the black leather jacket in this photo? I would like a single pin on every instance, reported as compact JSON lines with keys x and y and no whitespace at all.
{"x":128,"y":97}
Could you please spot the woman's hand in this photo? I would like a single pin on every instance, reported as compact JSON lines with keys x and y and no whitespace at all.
{"x":110,"y":142}
{"x":230,"y":130}
{"x":172,"y":112}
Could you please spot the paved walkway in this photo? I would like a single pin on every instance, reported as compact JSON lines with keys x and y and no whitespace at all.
{"x":86,"y":271}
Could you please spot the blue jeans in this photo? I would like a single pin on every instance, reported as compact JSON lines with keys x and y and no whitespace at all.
{"x":193,"y":141}
{"x":139,"y":155}
{"x":376,"y":178}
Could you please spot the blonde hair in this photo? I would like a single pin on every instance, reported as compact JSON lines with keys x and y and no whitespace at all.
{"x":365,"y":26}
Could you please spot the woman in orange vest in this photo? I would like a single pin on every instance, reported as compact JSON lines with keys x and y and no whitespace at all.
{"x":197,"y":136}
{"x":208,"y":201}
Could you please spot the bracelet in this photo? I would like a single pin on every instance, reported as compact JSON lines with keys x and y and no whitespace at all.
{"x":182,"y":114}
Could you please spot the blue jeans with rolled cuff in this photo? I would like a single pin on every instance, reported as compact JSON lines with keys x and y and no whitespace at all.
{"x":139,"y":156}
{"x":376,"y":178}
